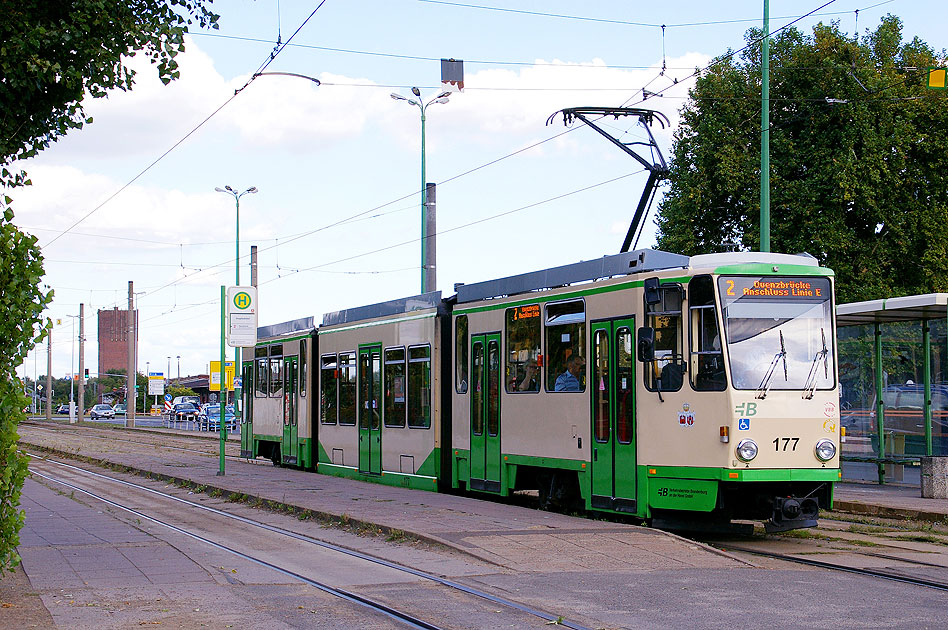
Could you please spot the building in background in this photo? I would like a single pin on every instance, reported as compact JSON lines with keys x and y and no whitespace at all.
{"x":113,"y":339}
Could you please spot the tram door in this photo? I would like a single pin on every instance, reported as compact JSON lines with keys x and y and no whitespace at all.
{"x":485,"y":412}
{"x":370,"y":409}
{"x":246,"y":416}
{"x":613,"y":415}
{"x":291,"y":444}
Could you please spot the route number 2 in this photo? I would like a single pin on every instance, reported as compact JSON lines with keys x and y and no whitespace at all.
{"x":786,"y":443}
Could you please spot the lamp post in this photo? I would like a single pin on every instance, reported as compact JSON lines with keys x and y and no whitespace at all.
{"x":179,"y":367}
{"x":230,"y":191}
{"x":422,"y":106}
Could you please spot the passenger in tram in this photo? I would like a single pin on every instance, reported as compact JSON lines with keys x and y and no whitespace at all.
{"x":569,"y":381}
{"x":530,"y":382}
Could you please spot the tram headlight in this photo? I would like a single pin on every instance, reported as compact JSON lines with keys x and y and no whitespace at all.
{"x":746,"y":450}
{"x":825,"y":450}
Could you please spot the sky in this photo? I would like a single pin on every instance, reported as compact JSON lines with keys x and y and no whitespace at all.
{"x":132,"y":197}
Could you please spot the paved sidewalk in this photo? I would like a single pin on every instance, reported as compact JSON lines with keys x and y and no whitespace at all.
{"x":514,"y":537}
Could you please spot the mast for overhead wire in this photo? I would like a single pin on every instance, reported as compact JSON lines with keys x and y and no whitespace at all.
{"x":655,"y":165}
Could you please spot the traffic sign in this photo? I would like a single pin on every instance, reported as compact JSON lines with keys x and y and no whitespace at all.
{"x":156,"y":383}
{"x":242,"y":317}
{"x":167,"y":397}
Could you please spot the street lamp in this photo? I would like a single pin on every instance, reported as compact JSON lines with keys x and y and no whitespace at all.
{"x":230,"y":191}
{"x":422,"y":106}
{"x":179,"y":367}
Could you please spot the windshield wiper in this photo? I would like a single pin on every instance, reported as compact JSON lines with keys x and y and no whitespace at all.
{"x":809,"y":388}
{"x":764,"y":386}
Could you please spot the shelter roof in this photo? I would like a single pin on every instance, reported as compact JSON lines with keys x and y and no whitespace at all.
{"x":898,"y":309}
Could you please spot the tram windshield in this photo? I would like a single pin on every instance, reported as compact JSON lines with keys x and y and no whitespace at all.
{"x":779,"y":332}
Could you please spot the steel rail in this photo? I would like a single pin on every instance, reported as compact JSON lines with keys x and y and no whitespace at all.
{"x":547,"y":617}
{"x":388,"y":611}
{"x":885,"y":575}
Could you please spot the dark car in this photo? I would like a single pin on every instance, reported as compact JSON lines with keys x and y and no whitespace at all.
{"x":62,"y":409}
{"x":184,"y":411}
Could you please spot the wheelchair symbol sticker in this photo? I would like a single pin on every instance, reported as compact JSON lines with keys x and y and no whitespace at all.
{"x":744,"y":424}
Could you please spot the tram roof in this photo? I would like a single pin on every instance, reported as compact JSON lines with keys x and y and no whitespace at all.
{"x":400,"y":306}
{"x":897,"y":309}
{"x":285,"y":328}
{"x":638,"y":261}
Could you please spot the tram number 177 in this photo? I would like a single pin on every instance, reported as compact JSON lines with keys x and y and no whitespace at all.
{"x":786,"y":443}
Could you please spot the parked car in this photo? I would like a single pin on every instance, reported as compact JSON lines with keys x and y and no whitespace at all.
{"x":101,"y":411}
{"x":213,"y":417}
{"x":120,"y":409}
{"x":184,"y":411}
{"x":62,"y":409}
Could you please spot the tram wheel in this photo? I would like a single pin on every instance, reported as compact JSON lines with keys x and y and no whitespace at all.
{"x":275,"y":456}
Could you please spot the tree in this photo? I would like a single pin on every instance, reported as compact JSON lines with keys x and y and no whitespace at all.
{"x":56,"y":52}
{"x":53,"y":54}
{"x":859,"y":162}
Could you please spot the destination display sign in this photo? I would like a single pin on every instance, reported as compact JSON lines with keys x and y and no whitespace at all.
{"x":770,"y":288}
{"x":526,"y":312}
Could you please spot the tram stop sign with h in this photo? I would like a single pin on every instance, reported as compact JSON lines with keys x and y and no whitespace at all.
{"x":241,"y":317}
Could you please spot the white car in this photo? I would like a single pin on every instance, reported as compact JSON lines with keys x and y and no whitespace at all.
{"x":101,"y":411}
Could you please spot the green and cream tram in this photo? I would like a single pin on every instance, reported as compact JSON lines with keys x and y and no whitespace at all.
{"x":692,"y":391}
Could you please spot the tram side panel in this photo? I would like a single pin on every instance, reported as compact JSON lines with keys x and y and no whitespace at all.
{"x":380,"y":400}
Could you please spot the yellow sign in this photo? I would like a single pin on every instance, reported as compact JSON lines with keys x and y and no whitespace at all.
{"x":215,"y":374}
{"x":938,"y":78}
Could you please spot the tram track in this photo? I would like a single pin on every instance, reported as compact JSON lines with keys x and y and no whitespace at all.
{"x":877,"y":573}
{"x":407,"y":619}
{"x":156,"y":443}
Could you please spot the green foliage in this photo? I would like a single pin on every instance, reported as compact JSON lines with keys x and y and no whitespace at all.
{"x":53,"y":54}
{"x":859,"y":162}
{"x":21,"y":307}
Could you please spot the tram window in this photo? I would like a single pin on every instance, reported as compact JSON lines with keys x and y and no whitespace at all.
{"x":493,"y":388}
{"x":523,"y":372}
{"x":329,"y":389}
{"x":600,"y":349}
{"x":624,"y":385}
{"x":477,"y":392}
{"x":565,"y":340}
{"x":303,"y":370}
{"x":707,"y":360}
{"x":666,"y":371}
{"x":460,"y":354}
{"x":347,"y":388}
{"x":419,"y":387}
{"x":395,"y":387}
{"x":276,"y":376}
{"x":261,"y":373}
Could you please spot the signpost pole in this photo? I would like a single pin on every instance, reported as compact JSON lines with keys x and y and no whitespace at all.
{"x":223,"y":381}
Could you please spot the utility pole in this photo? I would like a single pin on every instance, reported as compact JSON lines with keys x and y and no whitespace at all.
{"x":130,"y":368}
{"x":82,"y":374}
{"x":431,"y":232}
{"x":765,"y":133}
{"x":253,"y":265}
{"x":49,"y":374}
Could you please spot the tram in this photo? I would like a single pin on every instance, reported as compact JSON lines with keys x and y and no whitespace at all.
{"x":689,"y":391}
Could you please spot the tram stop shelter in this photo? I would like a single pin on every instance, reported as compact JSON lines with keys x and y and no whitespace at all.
{"x":893,"y":371}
